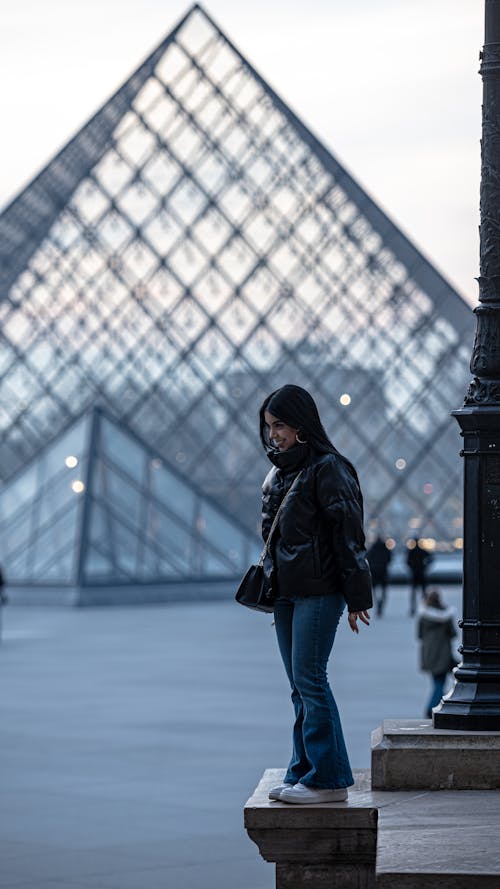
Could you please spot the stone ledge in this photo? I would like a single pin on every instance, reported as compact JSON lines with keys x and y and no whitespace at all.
{"x":319,"y":845}
{"x":412,"y":755}
{"x":261,"y":812}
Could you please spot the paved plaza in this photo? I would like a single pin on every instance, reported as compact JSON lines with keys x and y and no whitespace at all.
{"x":132,"y":737}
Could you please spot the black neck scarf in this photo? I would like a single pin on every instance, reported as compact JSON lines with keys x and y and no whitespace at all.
{"x":291,"y":460}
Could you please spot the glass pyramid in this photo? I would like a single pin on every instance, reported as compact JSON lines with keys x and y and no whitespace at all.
{"x":98,"y":508}
{"x":41,"y":513}
{"x":195,"y":246}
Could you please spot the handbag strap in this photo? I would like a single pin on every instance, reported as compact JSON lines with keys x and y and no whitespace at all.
{"x":276,"y":517}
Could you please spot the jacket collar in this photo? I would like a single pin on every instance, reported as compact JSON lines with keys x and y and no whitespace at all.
{"x":290,"y":460}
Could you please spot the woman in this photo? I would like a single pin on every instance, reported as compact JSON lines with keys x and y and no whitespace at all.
{"x":436,"y":628}
{"x":316,"y":563}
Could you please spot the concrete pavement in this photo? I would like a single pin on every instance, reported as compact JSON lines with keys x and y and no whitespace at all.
{"x":132,"y":737}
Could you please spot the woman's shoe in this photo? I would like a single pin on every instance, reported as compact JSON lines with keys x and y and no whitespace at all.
{"x":275,"y":792}
{"x":303,"y":795}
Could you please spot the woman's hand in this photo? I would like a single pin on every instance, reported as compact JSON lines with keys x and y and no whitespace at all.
{"x":352,"y":617}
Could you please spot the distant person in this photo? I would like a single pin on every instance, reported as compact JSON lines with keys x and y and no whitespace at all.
{"x":418,"y":561}
{"x":316,"y":564}
{"x":378,"y":559}
{"x":436,"y":627}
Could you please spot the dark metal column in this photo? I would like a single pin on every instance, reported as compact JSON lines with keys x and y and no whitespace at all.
{"x":474,"y":702}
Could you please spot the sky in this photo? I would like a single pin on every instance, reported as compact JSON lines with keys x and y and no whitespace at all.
{"x":389,"y":86}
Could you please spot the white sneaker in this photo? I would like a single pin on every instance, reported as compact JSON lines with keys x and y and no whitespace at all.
{"x":275,"y":792}
{"x":308,"y":795}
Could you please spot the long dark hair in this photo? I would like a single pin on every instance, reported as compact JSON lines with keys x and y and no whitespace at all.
{"x":296,"y":407}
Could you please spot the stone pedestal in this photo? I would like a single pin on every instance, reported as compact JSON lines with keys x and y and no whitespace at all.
{"x":318,"y":846}
{"x":409,"y":754}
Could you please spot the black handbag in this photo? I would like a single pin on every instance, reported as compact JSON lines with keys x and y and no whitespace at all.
{"x":254,"y":590}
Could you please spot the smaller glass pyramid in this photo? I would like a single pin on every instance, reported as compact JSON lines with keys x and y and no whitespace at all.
{"x":41,"y":511}
{"x":98,"y":508}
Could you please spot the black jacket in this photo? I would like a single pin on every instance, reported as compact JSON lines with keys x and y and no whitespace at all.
{"x":319,"y":544}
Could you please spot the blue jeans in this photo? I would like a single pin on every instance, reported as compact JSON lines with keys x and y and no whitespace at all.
{"x":306,"y":629}
{"x":438,"y":681}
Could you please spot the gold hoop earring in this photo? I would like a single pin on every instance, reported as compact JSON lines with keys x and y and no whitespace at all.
{"x":299,"y":440}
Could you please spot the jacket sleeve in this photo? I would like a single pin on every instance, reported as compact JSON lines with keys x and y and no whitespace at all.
{"x":341,"y":504}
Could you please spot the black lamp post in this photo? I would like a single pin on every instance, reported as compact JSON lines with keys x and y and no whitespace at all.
{"x":474,"y":702}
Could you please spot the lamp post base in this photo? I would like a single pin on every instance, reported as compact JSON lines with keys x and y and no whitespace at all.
{"x":470,"y":707}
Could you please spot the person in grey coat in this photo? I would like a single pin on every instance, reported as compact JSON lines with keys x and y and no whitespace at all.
{"x":436,"y":627}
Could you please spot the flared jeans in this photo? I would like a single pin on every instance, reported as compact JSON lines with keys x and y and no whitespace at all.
{"x":306,"y":629}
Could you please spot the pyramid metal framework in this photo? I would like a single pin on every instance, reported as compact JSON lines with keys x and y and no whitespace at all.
{"x":195,"y":246}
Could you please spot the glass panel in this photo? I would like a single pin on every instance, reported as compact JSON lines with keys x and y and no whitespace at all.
{"x":123,"y":451}
{"x":123,"y":498}
{"x":60,"y":491}
{"x":15,"y":495}
{"x":99,"y":524}
{"x":171,"y":491}
{"x":169,"y":536}
{"x":153,"y":567}
{"x":16,"y":534}
{"x":61,"y":568}
{"x":125,"y":552}
{"x":222,"y":534}
{"x":212,"y":565}
{"x":98,"y":565}
{"x":15,"y":568}
{"x":52,"y":539}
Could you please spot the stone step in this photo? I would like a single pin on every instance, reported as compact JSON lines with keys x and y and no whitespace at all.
{"x":398,"y":839}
